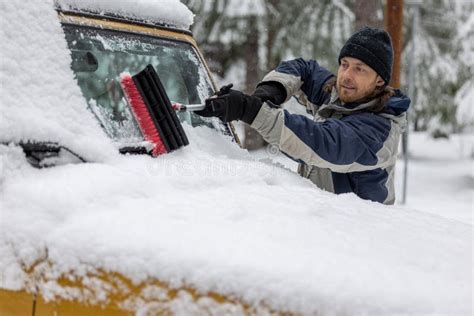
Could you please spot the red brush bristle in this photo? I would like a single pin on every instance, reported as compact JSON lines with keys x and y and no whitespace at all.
{"x":142,"y":115}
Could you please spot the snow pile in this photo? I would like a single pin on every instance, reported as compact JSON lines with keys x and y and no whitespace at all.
{"x":211,"y":217}
{"x":169,"y":12}
{"x":40,"y":99}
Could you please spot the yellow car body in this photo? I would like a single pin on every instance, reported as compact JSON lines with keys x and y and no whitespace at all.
{"x":123,"y":295}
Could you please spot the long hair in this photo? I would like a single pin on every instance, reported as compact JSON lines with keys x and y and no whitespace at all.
{"x":381,"y":94}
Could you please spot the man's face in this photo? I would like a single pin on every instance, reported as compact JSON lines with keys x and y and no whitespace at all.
{"x":356,"y":80}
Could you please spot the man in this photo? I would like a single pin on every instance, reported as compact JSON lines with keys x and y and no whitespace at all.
{"x":351,"y":145}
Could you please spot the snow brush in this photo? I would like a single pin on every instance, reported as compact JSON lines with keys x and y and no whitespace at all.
{"x":153,"y":111}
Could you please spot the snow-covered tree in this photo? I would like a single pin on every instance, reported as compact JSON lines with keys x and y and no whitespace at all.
{"x":440,"y":67}
{"x":310,"y":29}
{"x":465,"y":95}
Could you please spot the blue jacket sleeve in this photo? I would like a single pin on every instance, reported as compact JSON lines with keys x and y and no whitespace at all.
{"x":312,"y":76}
{"x":351,"y":143}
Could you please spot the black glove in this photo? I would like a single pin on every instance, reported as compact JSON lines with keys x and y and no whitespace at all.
{"x":230,"y":105}
{"x":271,"y":91}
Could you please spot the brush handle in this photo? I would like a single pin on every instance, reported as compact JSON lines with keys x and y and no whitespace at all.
{"x":187,"y":107}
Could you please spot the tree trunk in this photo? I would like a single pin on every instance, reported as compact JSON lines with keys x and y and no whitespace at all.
{"x":273,"y":25}
{"x":368,"y":12}
{"x":252,"y":140}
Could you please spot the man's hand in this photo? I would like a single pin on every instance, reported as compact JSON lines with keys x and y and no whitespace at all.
{"x":230,"y":105}
{"x":271,"y":91}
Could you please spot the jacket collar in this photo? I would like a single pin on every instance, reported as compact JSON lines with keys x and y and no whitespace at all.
{"x":396,"y":105}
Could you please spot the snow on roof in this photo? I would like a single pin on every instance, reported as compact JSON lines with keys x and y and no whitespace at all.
{"x":40,"y":99}
{"x":168,"y":12}
{"x":211,"y":217}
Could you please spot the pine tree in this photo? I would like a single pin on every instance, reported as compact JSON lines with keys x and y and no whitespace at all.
{"x":310,"y":29}
{"x":439,"y":72}
{"x":465,"y":95}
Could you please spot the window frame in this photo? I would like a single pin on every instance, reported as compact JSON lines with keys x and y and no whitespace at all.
{"x":152,"y":32}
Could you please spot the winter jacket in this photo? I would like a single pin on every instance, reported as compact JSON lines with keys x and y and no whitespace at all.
{"x":346,"y":147}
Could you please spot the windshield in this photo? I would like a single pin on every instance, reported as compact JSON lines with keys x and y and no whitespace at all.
{"x":100,"y":56}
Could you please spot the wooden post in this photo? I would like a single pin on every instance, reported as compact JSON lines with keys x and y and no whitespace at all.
{"x":394,"y":26}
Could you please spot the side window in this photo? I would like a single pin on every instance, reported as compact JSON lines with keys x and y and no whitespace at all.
{"x":100,"y":56}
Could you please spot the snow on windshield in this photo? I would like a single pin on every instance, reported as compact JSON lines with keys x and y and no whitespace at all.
{"x":40,"y":99}
{"x":169,"y":12}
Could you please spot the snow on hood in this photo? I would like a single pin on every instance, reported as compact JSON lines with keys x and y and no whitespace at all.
{"x":40,"y":100}
{"x":212,"y":217}
{"x":168,"y":12}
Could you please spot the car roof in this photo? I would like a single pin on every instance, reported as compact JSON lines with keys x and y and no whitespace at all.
{"x":170,"y":14}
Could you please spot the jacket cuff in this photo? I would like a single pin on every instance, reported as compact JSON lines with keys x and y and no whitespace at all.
{"x":291,"y":83}
{"x":272,"y":91}
{"x":252,"y":107}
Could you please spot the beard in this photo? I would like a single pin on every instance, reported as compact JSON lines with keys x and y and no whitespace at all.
{"x":350,"y":92}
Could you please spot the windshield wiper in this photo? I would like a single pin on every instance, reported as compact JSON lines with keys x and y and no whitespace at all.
{"x":48,"y":154}
{"x":135,"y":150}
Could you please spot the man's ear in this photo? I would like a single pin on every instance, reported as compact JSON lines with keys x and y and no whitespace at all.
{"x":379,"y":81}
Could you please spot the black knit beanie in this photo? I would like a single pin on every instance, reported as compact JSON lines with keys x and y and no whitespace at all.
{"x":373,"y":47}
